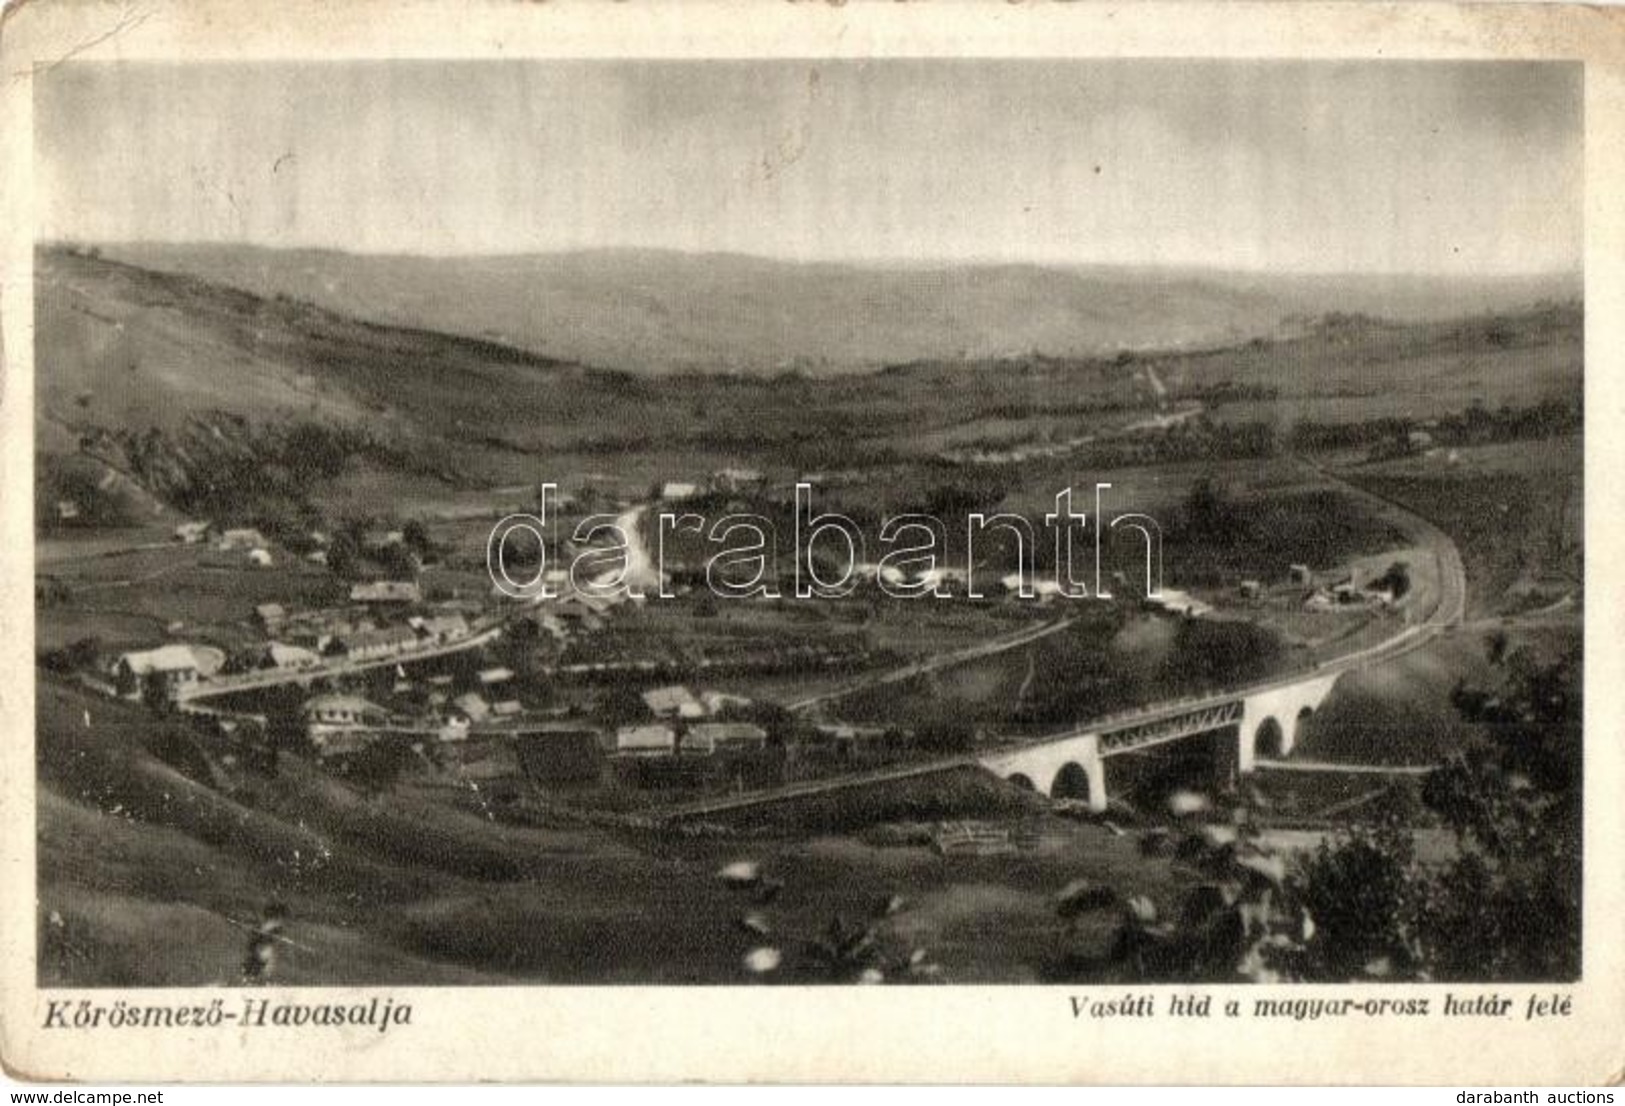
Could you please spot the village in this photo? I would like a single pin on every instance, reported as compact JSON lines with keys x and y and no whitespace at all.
{"x":593,"y":694}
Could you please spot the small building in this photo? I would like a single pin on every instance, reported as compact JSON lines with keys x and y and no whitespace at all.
{"x":1178,"y":602}
{"x":1302,"y":575}
{"x":675,"y":701}
{"x":707,"y":738}
{"x":271,"y":615}
{"x":498,"y":675}
{"x":641,"y":741}
{"x":259,"y":557}
{"x":1319,"y":600}
{"x":368,"y":645}
{"x":848,"y":738}
{"x":1047,"y":591}
{"x":1251,"y":589}
{"x":175,"y":667}
{"x":715,"y":702}
{"x":66,"y":510}
{"x":472,"y":706}
{"x":675,"y":491}
{"x":946,"y":579}
{"x":889,"y":574}
{"x":386,"y":591}
{"x":240,"y":538}
{"x":288,"y":658}
{"x":191,"y":533}
{"x":507,"y":708}
{"x":441,"y":629}
{"x":338,"y":725}
{"x":736,"y":479}
{"x":329,"y":712}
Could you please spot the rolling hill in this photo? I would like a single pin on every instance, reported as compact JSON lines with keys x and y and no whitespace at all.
{"x":187,"y":384}
{"x":654,"y":312}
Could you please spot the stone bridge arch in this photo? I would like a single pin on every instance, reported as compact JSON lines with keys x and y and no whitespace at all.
{"x":1071,"y":768}
{"x":1072,"y":782}
{"x":1269,"y":739}
{"x":1274,"y":721}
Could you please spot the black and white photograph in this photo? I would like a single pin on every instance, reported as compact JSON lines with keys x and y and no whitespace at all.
{"x":904,"y":521}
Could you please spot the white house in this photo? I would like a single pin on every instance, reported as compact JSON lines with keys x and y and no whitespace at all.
{"x":288,"y":657}
{"x":472,"y":706}
{"x":175,"y":666}
{"x":441,"y":628}
{"x":368,"y":645}
{"x":723,"y":737}
{"x":642,"y":741}
{"x":333,"y":712}
{"x":241,"y":538}
{"x":386,"y":591}
{"x":674,"y":701}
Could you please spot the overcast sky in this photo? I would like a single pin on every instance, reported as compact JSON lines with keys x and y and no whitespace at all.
{"x":1386,"y":166}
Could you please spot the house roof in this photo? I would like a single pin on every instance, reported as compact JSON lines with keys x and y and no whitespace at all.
{"x":645,"y":737}
{"x":443,"y":623}
{"x":384,"y":590}
{"x":282,"y":655}
{"x":663,"y":699}
{"x":165,"y":658}
{"x":472,"y":704}
{"x":728,"y":731}
{"x":336,"y":702}
{"x":389,"y":635}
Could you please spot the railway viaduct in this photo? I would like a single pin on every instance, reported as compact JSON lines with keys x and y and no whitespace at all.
{"x":1267,"y":721}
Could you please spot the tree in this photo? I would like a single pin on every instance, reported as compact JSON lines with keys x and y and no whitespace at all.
{"x":1507,"y":907}
{"x":344,"y":556}
{"x":1210,"y":512}
{"x":416,"y":537}
{"x":155,"y":693}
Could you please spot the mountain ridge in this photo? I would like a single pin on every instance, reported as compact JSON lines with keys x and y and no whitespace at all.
{"x":656,"y":312}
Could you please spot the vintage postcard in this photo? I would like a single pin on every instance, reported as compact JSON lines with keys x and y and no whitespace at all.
{"x":870,"y":542}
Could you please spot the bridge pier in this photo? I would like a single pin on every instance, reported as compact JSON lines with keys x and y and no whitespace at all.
{"x":1070,"y":769}
{"x":1272,"y":722}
